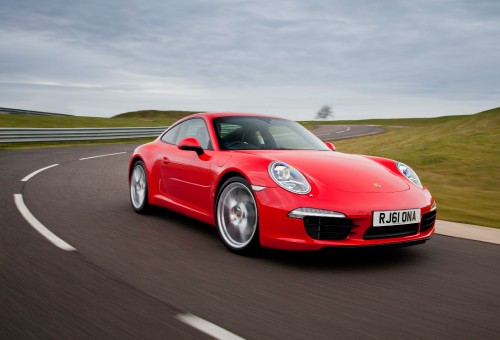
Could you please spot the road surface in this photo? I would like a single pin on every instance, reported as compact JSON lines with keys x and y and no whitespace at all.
{"x":134,"y":276}
{"x":336,"y":132}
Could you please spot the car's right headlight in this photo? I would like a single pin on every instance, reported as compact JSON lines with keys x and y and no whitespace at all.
{"x":409,"y":173}
{"x":289,"y":178}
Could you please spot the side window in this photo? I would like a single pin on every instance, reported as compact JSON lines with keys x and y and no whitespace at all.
{"x":195,"y":128}
{"x":170,"y":136}
{"x":239,"y":136}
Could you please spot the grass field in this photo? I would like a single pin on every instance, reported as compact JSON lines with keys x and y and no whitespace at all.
{"x":129,"y":119}
{"x":144,"y":118}
{"x":456,"y":157}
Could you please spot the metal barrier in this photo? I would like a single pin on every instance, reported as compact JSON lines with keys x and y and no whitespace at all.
{"x":17,"y":135}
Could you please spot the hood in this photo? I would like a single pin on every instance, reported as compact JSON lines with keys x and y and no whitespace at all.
{"x":345,"y":172}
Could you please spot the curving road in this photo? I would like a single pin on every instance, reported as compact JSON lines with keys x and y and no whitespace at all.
{"x":137,"y":276}
{"x":336,"y":132}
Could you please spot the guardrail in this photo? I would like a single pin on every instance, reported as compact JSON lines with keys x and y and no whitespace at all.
{"x":17,"y":135}
{"x":6,"y":110}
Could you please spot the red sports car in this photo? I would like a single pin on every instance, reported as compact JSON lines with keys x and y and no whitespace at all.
{"x":267,"y":181}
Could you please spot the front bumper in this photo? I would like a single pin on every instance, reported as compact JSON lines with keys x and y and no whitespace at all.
{"x":278,"y":230}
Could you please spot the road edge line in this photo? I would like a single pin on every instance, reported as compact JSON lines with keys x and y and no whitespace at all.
{"x":38,"y":226}
{"x":207,"y":327}
{"x":25,"y":179}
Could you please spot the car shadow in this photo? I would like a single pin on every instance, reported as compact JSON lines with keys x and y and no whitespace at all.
{"x":187,"y":223}
{"x":353,"y":258}
{"x":325,"y":259}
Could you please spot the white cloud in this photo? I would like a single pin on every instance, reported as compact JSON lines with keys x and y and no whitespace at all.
{"x":365,"y":59}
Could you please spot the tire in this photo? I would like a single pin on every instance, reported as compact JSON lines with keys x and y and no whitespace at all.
{"x":237,"y":217}
{"x":139,"y":188}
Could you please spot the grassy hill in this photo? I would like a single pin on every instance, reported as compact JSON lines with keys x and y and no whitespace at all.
{"x":155,"y":114}
{"x":457,"y":158}
{"x":388,"y":122}
{"x":138,"y":118}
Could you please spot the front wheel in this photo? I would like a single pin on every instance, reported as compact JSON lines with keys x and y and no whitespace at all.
{"x":139,"y":188}
{"x":237,"y":216}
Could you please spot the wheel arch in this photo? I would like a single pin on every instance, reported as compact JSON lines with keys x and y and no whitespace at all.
{"x":222,"y":179}
{"x":132,"y":162}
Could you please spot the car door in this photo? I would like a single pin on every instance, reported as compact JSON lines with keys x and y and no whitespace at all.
{"x":186,"y":176}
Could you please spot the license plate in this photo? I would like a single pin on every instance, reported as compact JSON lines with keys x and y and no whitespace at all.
{"x":396,"y":217}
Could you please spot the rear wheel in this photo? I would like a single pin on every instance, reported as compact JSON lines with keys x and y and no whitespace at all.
{"x":139,"y":188}
{"x":237,"y":216}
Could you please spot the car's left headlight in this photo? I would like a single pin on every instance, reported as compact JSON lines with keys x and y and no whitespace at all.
{"x":289,"y":178}
{"x":409,"y":173}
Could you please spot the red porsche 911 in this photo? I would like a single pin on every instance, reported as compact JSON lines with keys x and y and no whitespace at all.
{"x":269,"y":182}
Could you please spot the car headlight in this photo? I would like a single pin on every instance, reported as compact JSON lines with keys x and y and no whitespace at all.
{"x":409,"y":173}
{"x":289,"y":178}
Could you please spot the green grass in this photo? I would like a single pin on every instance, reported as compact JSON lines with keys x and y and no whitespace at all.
{"x":456,"y":157}
{"x":415,"y":122}
{"x":154,"y":114}
{"x":144,"y":118}
{"x":41,"y":145}
{"x":130,"y":119}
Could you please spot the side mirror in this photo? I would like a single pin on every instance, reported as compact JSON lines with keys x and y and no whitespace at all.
{"x":330,"y":146}
{"x":191,"y":144}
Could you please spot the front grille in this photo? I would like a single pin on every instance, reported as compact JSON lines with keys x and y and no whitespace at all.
{"x":391,"y":231}
{"x":327,"y":228}
{"x":428,"y":220}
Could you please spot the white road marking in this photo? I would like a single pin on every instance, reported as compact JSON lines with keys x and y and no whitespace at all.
{"x":347,"y":129}
{"x":25,"y":179}
{"x":207,"y":327}
{"x":109,"y":154}
{"x":23,"y":209}
{"x":329,"y":133}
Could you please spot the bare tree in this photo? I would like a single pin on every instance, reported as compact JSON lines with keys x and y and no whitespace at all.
{"x":325,"y":112}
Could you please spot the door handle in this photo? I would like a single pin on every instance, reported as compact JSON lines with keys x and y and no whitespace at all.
{"x":165,"y":160}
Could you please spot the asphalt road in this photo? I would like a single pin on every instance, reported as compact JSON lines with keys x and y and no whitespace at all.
{"x":336,"y":132}
{"x":132,"y":275}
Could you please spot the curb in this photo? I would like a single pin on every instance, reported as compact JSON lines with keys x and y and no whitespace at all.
{"x":468,"y":231}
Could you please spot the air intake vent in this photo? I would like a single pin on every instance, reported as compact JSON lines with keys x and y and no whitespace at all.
{"x":428,"y":220}
{"x":327,"y":228}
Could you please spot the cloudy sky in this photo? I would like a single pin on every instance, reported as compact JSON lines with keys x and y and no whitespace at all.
{"x":363,"y":58}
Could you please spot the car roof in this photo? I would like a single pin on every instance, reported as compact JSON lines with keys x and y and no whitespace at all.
{"x":228,"y":114}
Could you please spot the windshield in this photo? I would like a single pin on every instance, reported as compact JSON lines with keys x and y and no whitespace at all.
{"x":263,"y":133}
